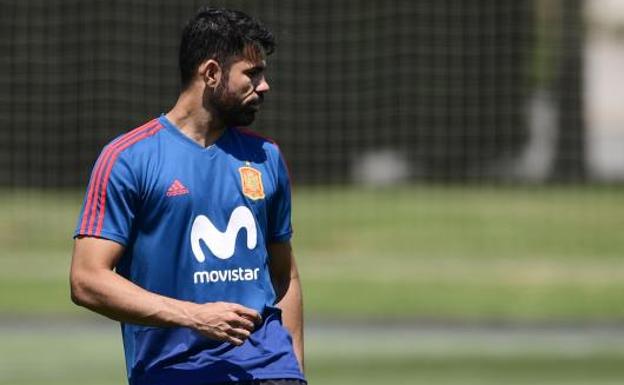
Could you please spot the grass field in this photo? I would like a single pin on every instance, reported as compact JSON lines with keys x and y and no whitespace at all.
{"x":466,"y":255}
{"x":74,"y":354}
{"x":469,"y":253}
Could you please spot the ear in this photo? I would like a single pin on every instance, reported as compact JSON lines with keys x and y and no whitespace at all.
{"x":210,"y":72}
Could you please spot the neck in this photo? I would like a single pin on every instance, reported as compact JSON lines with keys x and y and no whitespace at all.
{"x":195,"y":121}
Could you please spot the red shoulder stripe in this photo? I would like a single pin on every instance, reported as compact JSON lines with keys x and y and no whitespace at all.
{"x":100,"y":177}
{"x":96,"y":175}
{"x":92,"y":182}
{"x":143,"y":135}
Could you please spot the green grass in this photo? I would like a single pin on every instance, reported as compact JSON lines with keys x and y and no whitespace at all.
{"x":463,"y":252}
{"x":469,"y":371}
{"x":529,"y":253}
{"x":76,"y":355}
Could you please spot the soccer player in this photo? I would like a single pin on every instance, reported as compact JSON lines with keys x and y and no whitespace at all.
{"x":184,"y":234}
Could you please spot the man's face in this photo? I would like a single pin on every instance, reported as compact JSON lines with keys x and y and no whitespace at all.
{"x":241,"y":91}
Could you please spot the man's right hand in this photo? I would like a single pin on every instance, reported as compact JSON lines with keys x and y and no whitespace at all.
{"x":223,"y":321}
{"x":96,"y":286}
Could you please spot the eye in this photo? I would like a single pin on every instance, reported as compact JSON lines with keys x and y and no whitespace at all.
{"x":254,"y":72}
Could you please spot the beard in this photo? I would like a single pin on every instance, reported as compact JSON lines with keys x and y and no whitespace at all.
{"x":230,"y":109}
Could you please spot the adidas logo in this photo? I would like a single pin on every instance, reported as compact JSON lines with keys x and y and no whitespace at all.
{"x":176,"y":188}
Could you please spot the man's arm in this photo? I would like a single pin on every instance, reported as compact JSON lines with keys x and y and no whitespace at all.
{"x":96,"y":286}
{"x":285,"y":277}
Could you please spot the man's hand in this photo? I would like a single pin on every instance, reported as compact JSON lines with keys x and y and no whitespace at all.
{"x":223,"y":321}
{"x":96,"y":286}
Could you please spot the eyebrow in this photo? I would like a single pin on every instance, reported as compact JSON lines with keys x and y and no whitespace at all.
{"x":256,"y":67}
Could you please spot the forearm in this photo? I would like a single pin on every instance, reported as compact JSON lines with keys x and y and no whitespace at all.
{"x":292,"y":315}
{"x":110,"y":294}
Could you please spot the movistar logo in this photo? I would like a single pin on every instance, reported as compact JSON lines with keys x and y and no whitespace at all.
{"x":222,"y":244}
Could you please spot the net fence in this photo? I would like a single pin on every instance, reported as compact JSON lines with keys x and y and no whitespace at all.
{"x":362,"y":90}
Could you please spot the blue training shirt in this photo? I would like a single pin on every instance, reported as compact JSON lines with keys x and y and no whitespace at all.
{"x":195,"y":223}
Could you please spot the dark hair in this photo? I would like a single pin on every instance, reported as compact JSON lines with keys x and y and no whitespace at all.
{"x":220,"y":34}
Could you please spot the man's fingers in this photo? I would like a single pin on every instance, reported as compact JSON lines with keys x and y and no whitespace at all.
{"x":244,"y":323}
{"x":235,"y":341}
{"x":248,"y":313}
{"x":241,"y":334}
{"x":235,"y":336}
{"x":218,"y":336}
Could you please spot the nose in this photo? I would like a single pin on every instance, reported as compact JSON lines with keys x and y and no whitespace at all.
{"x":263,"y":86}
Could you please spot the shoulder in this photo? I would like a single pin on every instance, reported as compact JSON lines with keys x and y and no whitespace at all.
{"x":254,"y":139}
{"x":121,"y":159}
{"x":271,"y":151}
{"x":133,"y":142}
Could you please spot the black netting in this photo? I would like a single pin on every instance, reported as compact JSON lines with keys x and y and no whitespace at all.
{"x":439,"y":88}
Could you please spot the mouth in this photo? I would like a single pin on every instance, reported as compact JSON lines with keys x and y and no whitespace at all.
{"x":256,"y":102}
{"x":255,"y":106}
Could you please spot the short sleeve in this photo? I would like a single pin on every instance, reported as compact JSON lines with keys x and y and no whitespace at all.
{"x":109,"y":206}
{"x":280,"y":227}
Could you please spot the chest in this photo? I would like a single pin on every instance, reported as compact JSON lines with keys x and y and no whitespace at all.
{"x":178,"y":187}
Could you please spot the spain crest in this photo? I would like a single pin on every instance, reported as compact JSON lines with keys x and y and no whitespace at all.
{"x":251,"y":180}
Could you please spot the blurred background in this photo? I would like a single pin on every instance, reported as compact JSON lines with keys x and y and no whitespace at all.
{"x":457,"y":170}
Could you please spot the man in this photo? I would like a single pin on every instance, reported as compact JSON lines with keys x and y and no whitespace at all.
{"x":184,"y":234}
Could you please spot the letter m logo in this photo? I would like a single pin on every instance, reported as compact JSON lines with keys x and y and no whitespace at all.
{"x":222,"y":244}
